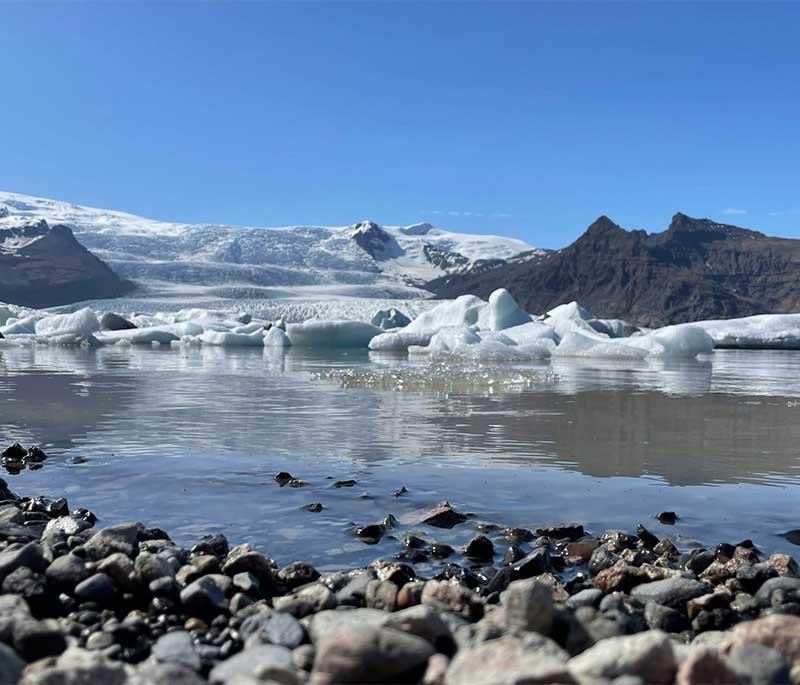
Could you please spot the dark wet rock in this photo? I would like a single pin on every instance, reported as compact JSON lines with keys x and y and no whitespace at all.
{"x":573,"y":531}
{"x":792,"y":536}
{"x":275,"y":628}
{"x":106,"y":541}
{"x":371,"y":534}
{"x":518,"y":535}
{"x":298,"y":573}
{"x":283,"y":478}
{"x":441,"y":516}
{"x":214,"y":545}
{"x":439,"y":550}
{"x":647,"y":538}
{"x":10,"y":665}
{"x":35,"y":455}
{"x":601,"y":559}
{"x":528,"y":606}
{"x":699,"y":562}
{"x":667,"y":517}
{"x":398,"y":573}
{"x":205,"y":597}
{"x":758,"y":665}
{"x":646,"y":655}
{"x":37,"y":639}
{"x":480,"y":549}
{"x":243,"y":558}
{"x":660,"y":617}
{"x":402,"y":490}
{"x":513,"y":554}
{"x":671,"y":592}
{"x":345,"y":483}
{"x":262,"y":663}
{"x":364,"y":655}
{"x":177,"y":648}
{"x":15,"y":452}
{"x":98,"y":588}
{"x":314,"y":507}
{"x":114,"y":322}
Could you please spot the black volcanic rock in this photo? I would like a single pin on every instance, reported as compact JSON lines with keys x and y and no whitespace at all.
{"x":45,"y":266}
{"x":697,"y":269}
{"x":376,"y":242}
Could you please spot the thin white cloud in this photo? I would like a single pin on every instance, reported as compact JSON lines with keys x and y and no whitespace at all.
{"x":734,"y":212}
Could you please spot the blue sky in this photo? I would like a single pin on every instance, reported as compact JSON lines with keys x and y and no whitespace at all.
{"x":524,"y":119}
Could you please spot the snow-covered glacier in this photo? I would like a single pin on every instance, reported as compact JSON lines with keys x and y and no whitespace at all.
{"x":362,"y":260}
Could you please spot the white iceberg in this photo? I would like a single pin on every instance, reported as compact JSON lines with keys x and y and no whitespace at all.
{"x":276,"y":337}
{"x":764,"y":331}
{"x":59,"y":327}
{"x":316,"y":333}
{"x":230,"y":339}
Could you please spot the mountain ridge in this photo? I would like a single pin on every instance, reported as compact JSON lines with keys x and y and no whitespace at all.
{"x":695,"y":269}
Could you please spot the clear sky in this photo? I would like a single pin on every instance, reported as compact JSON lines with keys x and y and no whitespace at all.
{"x":524,"y":119}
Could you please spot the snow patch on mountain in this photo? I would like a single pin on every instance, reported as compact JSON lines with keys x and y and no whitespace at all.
{"x":384,"y":261}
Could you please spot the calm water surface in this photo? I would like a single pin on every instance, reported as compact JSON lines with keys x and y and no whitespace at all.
{"x":190,"y":440}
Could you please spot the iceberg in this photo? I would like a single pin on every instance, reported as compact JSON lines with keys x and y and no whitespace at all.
{"x":276,"y":337}
{"x":139,"y":336}
{"x":764,"y":331}
{"x":230,"y":339}
{"x":82,"y":323}
{"x":316,"y":333}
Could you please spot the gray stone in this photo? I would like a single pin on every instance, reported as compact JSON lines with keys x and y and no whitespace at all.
{"x":98,"y":588}
{"x":205,"y":597}
{"x":784,"y":583}
{"x":330,"y":621}
{"x":274,"y":628}
{"x":424,"y":622}
{"x":585,"y":598}
{"x":246,"y":582}
{"x":671,"y":592}
{"x":37,"y":639}
{"x":369,"y":655}
{"x":648,"y":655}
{"x":10,"y":665}
{"x":156,"y":673}
{"x":177,"y":648}
{"x":659,"y":617}
{"x":68,"y":525}
{"x":758,"y":664}
{"x":17,"y":556}
{"x":66,"y":572}
{"x":79,"y":667}
{"x":528,"y":605}
{"x":262,"y":663}
{"x":106,"y":541}
{"x":118,"y":567}
{"x":309,"y":600}
{"x":243,"y":558}
{"x":506,"y":661}
{"x":149,"y":567}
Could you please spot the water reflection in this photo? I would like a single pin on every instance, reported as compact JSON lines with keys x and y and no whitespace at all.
{"x":161,"y":428}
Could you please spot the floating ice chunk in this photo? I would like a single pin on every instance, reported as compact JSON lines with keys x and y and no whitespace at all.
{"x":11,"y":312}
{"x":331,"y":333}
{"x":229,"y":339}
{"x":249,"y":327}
{"x":580,"y":345}
{"x":139,"y":336}
{"x":390,"y":318}
{"x":26,"y":326}
{"x":463,"y":311}
{"x":276,"y":337}
{"x":81,"y":323}
{"x":399,"y":340}
{"x":187,"y":328}
{"x":571,"y":318}
{"x":533,"y":331}
{"x":502,"y":312}
{"x":465,"y":343}
{"x":685,"y":340}
{"x":765,"y":331}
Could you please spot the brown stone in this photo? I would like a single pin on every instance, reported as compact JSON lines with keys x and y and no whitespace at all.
{"x":706,"y":666}
{"x":620,"y":577}
{"x":719,"y":599}
{"x":784,"y":565}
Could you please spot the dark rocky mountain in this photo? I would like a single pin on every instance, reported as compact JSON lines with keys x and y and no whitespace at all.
{"x":696,"y":269}
{"x":45,"y":266}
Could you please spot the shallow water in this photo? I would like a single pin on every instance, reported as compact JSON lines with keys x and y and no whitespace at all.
{"x":190,"y":440}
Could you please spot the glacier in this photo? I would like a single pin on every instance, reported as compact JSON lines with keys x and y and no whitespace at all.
{"x":182,"y":260}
